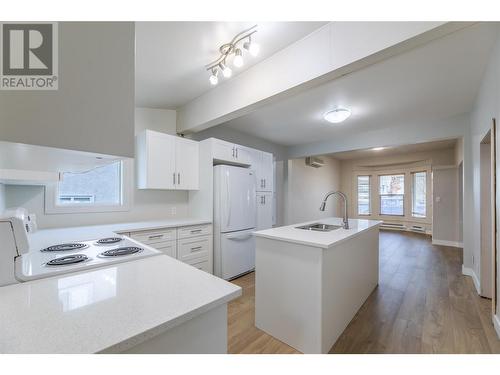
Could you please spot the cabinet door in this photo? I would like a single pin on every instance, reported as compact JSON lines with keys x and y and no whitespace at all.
{"x":264,"y":210}
{"x":223,"y":151}
{"x":187,"y":164}
{"x":243,"y":155}
{"x":160,"y":161}
{"x":266,"y":172}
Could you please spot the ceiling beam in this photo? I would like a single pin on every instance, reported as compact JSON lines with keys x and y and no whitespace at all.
{"x":334,"y":50}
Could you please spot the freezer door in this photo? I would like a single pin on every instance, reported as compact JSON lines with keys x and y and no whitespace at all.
{"x":235,"y":198}
{"x":237,"y":253}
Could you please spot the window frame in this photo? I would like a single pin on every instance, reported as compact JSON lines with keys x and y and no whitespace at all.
{"x":412,"y":174}
{"x":51,"y":191}
{"x":369,"y":194}
{"x":403,"y":195}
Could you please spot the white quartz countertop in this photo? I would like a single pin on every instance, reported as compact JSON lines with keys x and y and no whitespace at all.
{"x":291,"y":233}
{"x":108,"y":309}
{"x":47,"y":237}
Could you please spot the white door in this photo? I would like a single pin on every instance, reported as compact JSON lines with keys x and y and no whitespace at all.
{"x":187,"y":164}
{"x":237,"y":253}
{"x":235,"y":198}
{"x":264,"y":210}
{"x":160,"y":161}
{"x":266,"y":171}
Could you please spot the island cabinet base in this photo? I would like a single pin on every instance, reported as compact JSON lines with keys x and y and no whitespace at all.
{"x":203,"y":334}
{"x":306,"y":296}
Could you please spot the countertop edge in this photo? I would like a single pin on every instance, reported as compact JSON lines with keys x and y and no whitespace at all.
{"x":315,"y":244}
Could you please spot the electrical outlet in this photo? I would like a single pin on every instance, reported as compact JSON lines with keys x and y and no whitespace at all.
{"x":173,"y":211}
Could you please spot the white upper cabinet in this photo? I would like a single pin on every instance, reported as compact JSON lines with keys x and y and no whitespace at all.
{"x":166,"y":162}
{"x":262,"y":164}
{"x":230,"y":153}
{"x":186,"y":159}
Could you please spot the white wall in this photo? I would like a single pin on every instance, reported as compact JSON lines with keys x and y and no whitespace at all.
{"x":93,"y":109}
{"x":2,"y":198}
{"x":445,"y":219}
{"x":487,"y":106}
{"x":305,"y":188}
{"x":146,"y":205}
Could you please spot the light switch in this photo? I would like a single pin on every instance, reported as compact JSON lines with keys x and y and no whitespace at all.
{"x":438,"y":199}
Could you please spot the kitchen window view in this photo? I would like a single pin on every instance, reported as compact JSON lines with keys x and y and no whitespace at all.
{"x":392,"y":190}
{"x":101,"y":186}
{"x":419,"y":194}
{"x":364,"y":195}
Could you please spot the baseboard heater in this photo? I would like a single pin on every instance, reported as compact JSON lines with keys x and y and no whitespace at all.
{"x":418,"y":228}
{"x":391,"y":226}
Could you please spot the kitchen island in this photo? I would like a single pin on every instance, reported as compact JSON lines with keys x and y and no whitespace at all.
{"x":310,"y":284}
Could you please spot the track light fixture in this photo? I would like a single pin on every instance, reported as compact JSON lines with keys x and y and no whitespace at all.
{"x":232,"y":50}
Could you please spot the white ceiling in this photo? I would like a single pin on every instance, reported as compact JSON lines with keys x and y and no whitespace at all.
{"x":171,"y":56}
{"x":394,"y":151}
{"x":434,"y":81}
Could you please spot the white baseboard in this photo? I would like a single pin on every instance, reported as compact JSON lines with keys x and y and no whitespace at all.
{"x":447,"y":243}
{"x":470,"y":272}
{"x":496,"y":324}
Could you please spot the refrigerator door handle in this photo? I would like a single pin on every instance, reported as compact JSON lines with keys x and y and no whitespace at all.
{"x":240,"y":237}
{"x":228,"y":200}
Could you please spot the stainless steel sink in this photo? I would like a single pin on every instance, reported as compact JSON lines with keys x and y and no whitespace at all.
{"x":320,"y":227}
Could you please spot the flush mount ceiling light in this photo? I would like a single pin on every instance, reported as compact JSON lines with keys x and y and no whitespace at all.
{"x":337,"y":115}
{"x":378,"y":148}
{"x":233,"y":51}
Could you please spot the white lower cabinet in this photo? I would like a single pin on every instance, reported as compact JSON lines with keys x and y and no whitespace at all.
{"x":192,"y":245}
{"x":264,"y":210}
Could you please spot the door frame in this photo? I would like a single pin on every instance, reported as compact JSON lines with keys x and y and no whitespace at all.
{"x":494,"y":209}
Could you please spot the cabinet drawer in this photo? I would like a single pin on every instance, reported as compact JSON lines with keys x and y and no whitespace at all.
{"x":154,"y":236}
{"x":194,"y":231}
{"x":203,"y":265}
{"x":167,"y":247}
{"x":191,"y":249}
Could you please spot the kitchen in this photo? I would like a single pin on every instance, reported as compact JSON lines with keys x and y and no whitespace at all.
{"x":225,"y":215}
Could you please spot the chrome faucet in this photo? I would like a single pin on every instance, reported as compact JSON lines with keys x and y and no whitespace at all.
{"x":343,"y":196}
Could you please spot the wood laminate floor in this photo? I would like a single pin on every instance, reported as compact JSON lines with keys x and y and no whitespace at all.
{"x":423,"y":304}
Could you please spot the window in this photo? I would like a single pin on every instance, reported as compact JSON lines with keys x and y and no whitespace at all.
{"x":364,"y":195}
{"x":419,"y":182}
{"x":103,"y":188}
{"x":392,"y":190}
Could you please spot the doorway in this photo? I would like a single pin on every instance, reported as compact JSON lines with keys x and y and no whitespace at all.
{"x":486,"y":222}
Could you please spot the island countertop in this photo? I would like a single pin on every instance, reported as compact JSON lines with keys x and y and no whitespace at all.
{"x":108,"y":309}
{"x":291,"y":233}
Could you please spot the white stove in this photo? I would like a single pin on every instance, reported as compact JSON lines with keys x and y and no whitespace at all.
{"x":61,"y":258}
{"x":79,"y":255}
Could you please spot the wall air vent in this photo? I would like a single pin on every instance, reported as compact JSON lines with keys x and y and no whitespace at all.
{"x":314,"y":162}
{"x":417,"y":228}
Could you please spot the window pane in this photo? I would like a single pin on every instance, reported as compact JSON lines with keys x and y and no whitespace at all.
{"x":392,"y":189}
{"x":363,"y":195}
{"x":394,"y":184}
{"x":419,"y":194}
{"x":392,"y":205}
{"x":99,"y":186}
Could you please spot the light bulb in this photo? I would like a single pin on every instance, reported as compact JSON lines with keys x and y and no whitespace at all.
{"x":213,"y":78}
{"x":226,"y":70}
{"x":238,"y":59}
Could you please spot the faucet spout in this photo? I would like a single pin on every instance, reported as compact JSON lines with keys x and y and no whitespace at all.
{"x":344,"y":198}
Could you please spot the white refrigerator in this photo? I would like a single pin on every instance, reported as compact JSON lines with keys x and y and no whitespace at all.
{"x":235,"y":218}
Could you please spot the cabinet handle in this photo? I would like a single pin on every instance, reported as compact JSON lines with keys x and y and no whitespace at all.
{"x":155,"y":236}
{"x":233,"y":152}
{"x":174,"y":178}
{"x":197,"y":248}
{"x":179,"y":178}
{"x":236,"y":153}
{"x":264,"y":199}
{"x":264,"y":183}
{"x":196,"y":231}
